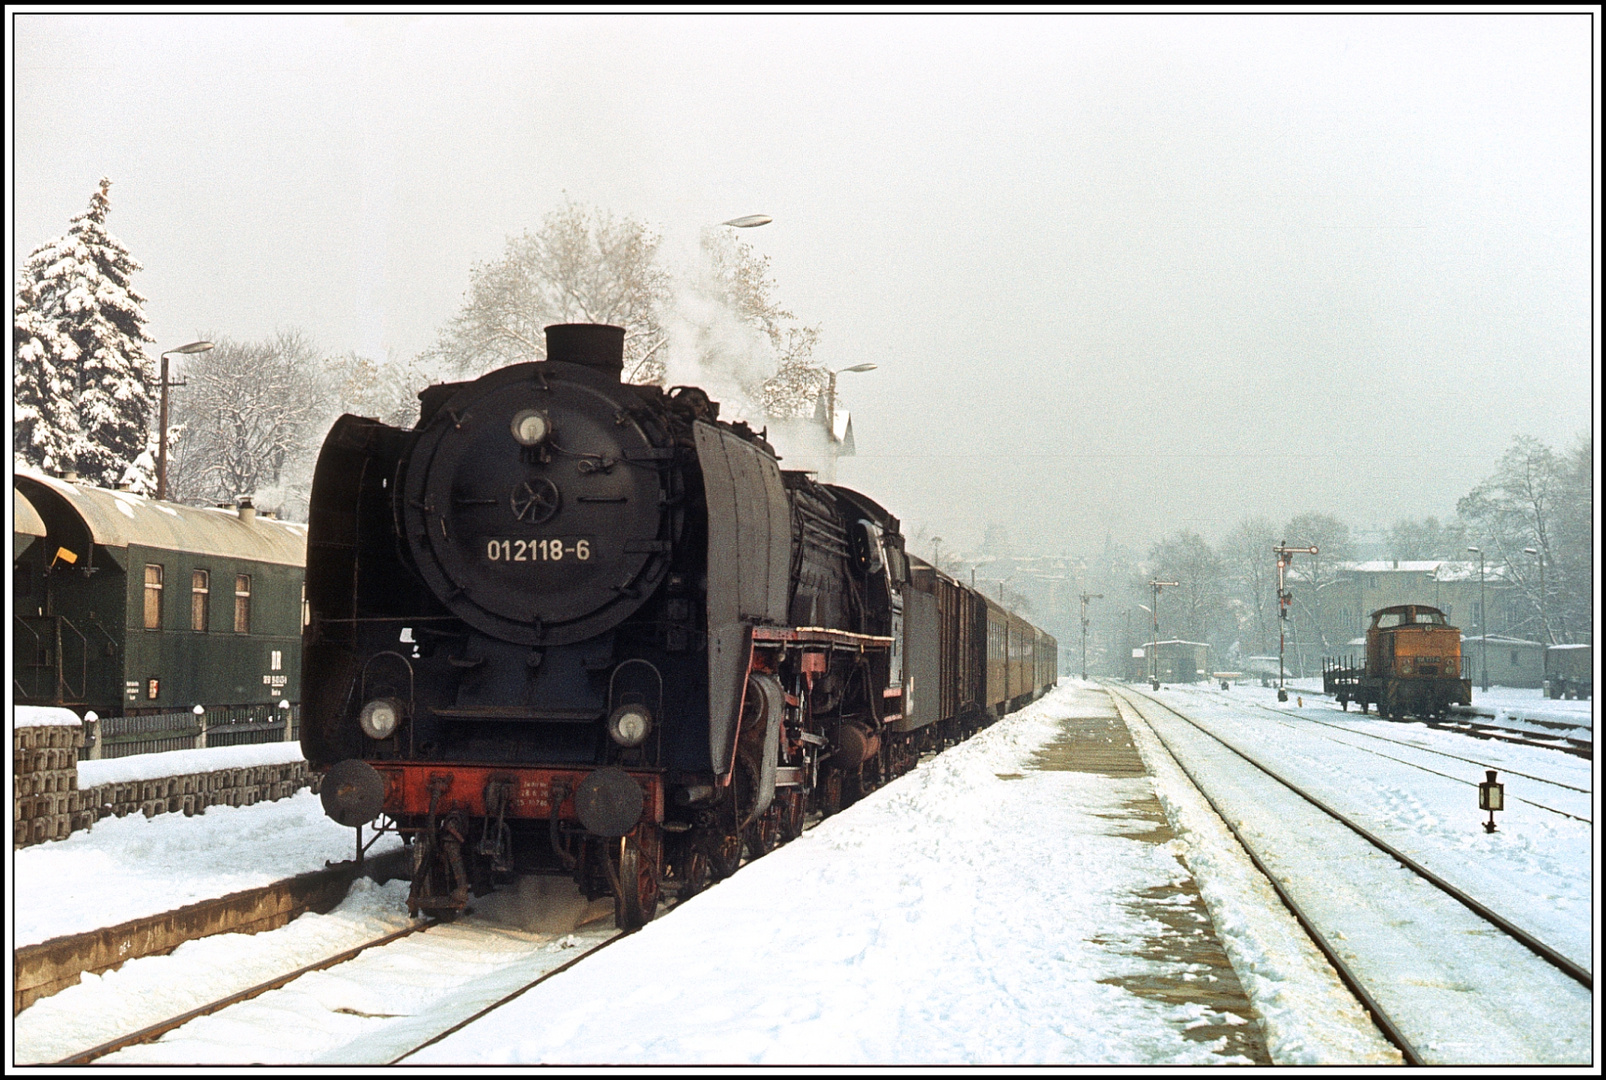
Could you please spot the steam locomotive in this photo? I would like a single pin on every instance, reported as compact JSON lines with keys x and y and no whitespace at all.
{"x":570,"y":625}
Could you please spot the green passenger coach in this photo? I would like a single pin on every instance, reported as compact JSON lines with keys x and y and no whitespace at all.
{"x":128,"y":606}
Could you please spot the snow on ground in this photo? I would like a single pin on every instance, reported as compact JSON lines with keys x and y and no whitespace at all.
{"x":152,"y":989}
{"x":1510,"y":707}
{"x":1536,"y":869}
{"x":951,"y":917}
{"x":1308,"y":1015}
{"x":133,"y":866}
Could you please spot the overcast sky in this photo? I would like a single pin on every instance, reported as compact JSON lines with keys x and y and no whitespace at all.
{"x":1121,"y":274}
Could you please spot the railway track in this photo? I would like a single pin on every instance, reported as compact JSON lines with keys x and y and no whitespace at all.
{"x":1305,"y":719}
{"x":448,"y":1025}
{"x":1458,"y":723}
{"x":1447,"y":980}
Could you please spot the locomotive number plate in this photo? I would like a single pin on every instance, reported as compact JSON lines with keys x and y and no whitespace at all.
{"x":556,"y":549}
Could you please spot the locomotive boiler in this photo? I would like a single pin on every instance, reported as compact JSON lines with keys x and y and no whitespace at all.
{"x":573,"y":625}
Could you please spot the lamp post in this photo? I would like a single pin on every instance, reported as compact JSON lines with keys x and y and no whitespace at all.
{"x":830,"y":414}
{"x":1544,"y":619}
{"x":1483,"y":619}
{"x":936,"y":552}
{"x":161,"y":435}
{"x":1085,"y":598}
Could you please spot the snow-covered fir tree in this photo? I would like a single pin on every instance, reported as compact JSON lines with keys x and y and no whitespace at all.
{"x":84,"y":399}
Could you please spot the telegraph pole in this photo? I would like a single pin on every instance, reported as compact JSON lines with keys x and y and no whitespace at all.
{"x":1154,"y":640}
{"x":161,"y":432}
{"x":1285,"y":556}
{"x":1085,"y":598}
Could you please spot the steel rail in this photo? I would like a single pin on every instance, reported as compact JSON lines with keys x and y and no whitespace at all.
{"x":1426,"y":750}
{"x":1574,"y":970}
{"x":157,"y":1030}
{"x":1384,"y":1022}
{"x":532,"y":984}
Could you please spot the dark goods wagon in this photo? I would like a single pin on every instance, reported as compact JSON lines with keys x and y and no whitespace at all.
{"x":570,"y":625}
{"x":1413,"y":665}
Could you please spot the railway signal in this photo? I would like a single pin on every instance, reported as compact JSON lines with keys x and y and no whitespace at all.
{"x":1154,"y":639}
{"x":1285,"y":556}
{"x":1085,"y":598}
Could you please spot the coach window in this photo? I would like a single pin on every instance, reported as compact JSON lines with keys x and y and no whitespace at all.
{"x":200,"y":592}
{"x":242,"y":603}
{"x":153,"y":596}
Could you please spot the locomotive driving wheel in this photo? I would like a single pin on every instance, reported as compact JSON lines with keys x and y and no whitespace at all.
{"x":796,"y":806}
{"x":695,"y":873}
{"x":764,"y":831}
{"x":726,"y":855}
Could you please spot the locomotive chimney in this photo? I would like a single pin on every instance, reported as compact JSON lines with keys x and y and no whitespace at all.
{"x":247,"y":510}
{"x":591,"y":345}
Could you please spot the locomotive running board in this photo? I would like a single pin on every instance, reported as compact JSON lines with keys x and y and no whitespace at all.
{"x":820,"y":635}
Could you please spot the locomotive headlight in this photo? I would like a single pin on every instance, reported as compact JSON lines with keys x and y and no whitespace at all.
{"x":379,"y":718}
{"x":530,"y":426}
{"x":628,"y":725}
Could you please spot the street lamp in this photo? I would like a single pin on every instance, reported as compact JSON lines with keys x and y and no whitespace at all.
{"x":161,"y":437}
{"x":830,"y":415}
{"x":936,"y":552}
{"x":1085,"y":598}
{"x":1483,"y":618}
{"x":1544,"y":619}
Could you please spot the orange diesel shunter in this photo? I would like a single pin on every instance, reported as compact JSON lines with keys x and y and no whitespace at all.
{"x":1413,"y":665}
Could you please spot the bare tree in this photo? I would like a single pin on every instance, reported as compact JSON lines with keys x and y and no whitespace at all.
{"x":1248,"y":562}
{"x":582,"y":265}
{"x":1426,"y":539}
{"x":735,"y":284}
{"x":1539,"y":500}
{"x":1195,"y":607}
{"x":246,"y":422}
{"x":1331,"y":538}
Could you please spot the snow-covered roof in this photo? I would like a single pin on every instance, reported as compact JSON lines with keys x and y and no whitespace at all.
{"x":25,"y":518}
{"x":1503,"y":639}
{"x":1556,"y":648}
{"x":116,"y":519}
{"x":1438,"y":569}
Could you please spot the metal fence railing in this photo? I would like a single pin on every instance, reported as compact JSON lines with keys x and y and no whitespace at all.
{"x":238,"y":725}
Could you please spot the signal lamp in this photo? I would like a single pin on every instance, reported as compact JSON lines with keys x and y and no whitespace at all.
{"x":628,"y":725}
{"x":379,"y":718}
{"x":1491,"y":797}
{"x":530,"y":427}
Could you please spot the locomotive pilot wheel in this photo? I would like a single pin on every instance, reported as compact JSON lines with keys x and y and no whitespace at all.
{"x":637,"y":900}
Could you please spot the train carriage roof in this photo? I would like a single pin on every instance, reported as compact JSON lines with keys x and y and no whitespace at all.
{"x":26,"y":519}
{"x":116,"y":519}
